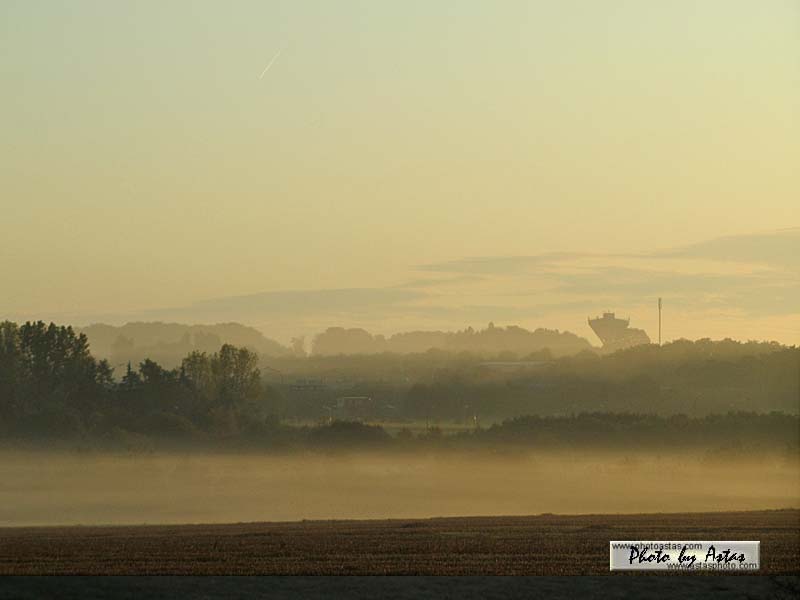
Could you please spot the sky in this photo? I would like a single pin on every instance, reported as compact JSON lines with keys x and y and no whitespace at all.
{"x":403,"y":165}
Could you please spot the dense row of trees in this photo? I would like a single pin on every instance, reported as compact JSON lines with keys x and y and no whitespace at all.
{"x":48,"y":378}
{"x":50,"y":385}
{"x":691,"y":377}
{"x":728,"y":433}
{"x":637,"y":380}
{"x":490,"y":341}
{"x":727,"y":437}
{"x":168,"y":343}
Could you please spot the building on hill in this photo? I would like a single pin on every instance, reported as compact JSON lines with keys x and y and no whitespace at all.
{"x":616,"y":334}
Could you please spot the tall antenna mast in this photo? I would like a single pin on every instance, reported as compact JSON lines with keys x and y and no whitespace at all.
{"x":659,"y":321}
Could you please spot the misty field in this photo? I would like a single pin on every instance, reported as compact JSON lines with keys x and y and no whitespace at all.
{"x":388,"y":513}
{"x":69,"y":488}
{"x":539,"y":545}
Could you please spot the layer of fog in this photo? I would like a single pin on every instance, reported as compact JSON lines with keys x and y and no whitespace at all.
{"x":65,"y":488}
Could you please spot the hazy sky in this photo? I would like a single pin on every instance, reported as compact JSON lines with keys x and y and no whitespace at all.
{"x":145,"y":166}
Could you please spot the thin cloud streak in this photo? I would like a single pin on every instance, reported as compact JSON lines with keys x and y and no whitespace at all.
{"x":270,"y":63}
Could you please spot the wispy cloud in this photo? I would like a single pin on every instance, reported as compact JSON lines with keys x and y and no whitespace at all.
{"x":777,"y":249}
{"x":270,"y":63}
{"x":744,"y":286}
{"x":753,"y":276}
{"x":302,"y":302}
{"x":498,"y":265}
{"x":440,"y":281}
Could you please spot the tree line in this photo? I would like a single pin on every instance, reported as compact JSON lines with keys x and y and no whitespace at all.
{"x":492,"y":340}
{"x":51,"y":385}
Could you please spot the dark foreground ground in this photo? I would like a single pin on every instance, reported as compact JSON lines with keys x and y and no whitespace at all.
{"x":389,"y":588}
{"x":539,"y":545}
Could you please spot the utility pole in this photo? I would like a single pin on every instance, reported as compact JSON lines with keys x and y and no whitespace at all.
{"x":659,"y":321}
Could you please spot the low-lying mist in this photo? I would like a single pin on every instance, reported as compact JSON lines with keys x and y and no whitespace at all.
{"x":64,"y":488}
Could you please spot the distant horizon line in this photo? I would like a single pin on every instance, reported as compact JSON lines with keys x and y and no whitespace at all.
{"x":391,"y":335}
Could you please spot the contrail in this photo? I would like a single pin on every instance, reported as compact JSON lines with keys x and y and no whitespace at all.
{"x":270,"y":63}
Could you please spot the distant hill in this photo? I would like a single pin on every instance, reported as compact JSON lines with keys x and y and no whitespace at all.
{"x":169,"y":343}
{"x":492,"y":340}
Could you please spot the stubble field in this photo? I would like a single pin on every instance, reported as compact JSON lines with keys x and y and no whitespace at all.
{"x":535,"y":545}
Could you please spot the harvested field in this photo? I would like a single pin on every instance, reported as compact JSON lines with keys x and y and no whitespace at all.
{"x":535,"y":545}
